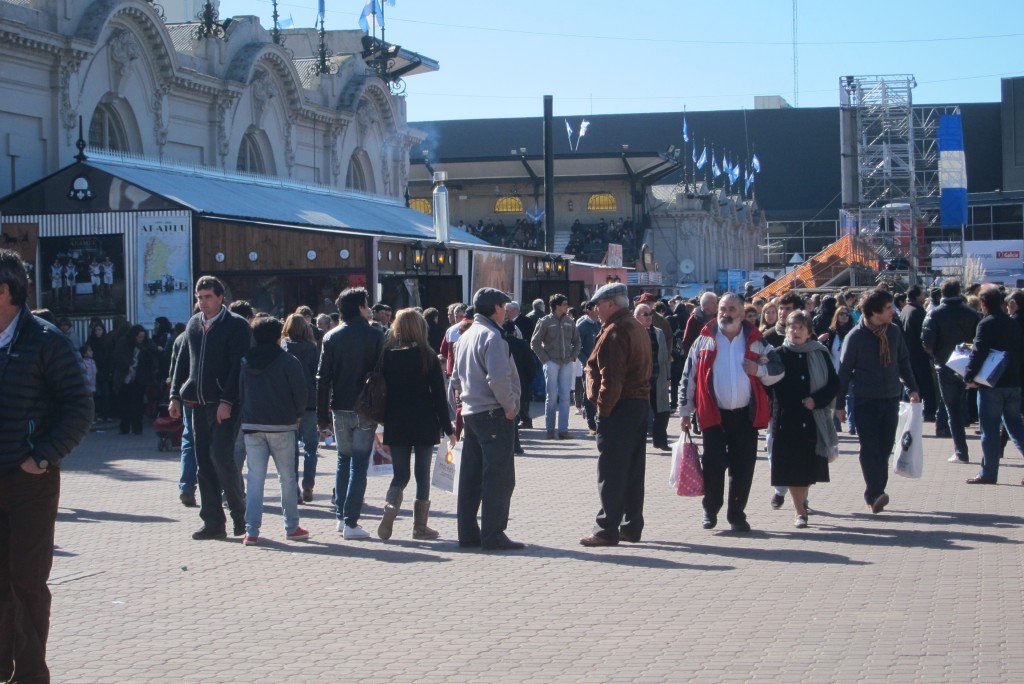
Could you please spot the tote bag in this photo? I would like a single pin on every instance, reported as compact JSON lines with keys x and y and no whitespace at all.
{"x":447,"y":462}
{"x":908,"y":452}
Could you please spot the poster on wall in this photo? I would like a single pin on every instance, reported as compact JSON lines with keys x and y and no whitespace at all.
{"x":491,"y":269}
{"x":165,"y":279}
{"x":82,"y":275}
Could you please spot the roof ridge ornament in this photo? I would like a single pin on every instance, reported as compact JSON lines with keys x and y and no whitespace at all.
{"x":80,"y":144}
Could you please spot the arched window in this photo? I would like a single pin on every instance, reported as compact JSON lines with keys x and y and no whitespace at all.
{"x":422,"y":204}
{"x":106,"y":131}
{"x":601,"y":201}
{"x":508,"y":205}
{"x":250,"y":159}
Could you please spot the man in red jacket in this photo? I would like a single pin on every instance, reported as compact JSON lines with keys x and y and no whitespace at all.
{"x":723,"y":380}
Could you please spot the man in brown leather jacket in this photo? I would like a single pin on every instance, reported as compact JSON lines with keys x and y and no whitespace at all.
{"x":618,"y":383}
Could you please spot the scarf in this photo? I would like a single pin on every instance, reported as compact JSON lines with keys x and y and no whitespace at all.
{"x":827,"y":442}
{"x":884,"y":355}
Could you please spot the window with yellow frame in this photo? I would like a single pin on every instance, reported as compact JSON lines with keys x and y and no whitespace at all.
{"x":422,"y":204}
{"x":602,"y":201}
{"x":508,"y":205}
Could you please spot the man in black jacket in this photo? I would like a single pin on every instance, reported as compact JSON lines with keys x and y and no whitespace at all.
{"x":951,"y":323}
{"x":349,"y":353}
{"x":999,"y":404}
{"x":206,"y":382}
{"x":911,"y":321}
{"x":45,"y":411}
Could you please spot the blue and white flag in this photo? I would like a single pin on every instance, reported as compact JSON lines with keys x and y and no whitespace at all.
{"x":568,"y":132}
{"x":703,"y":158}
{"x":320,"y":10}
{"x":952,"y":172}
{"x":756,"y":164}
{"x":749,"y":181}
{"x":725,"y":162}
{"x":686,"y":131}
{"x":693,"y":154}
{"x":583,"y":129}
{"x":371,"y":8}
{"x":734,"y":174}
{"x":286,"y":23}
{"x":715,"y":169}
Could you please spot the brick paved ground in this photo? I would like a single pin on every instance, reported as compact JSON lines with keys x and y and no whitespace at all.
{"x":928,"y":591}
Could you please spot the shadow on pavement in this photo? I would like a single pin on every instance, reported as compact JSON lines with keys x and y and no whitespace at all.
{"x":773,"y":555}
{"x":373,"y":549}
{"x":83,"y":515}
{"x":602,"y":555}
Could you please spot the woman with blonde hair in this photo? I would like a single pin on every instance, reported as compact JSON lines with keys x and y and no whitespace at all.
{"x":415,"y":415}
{"x":769,"y":316}
{"x":297,"y":339}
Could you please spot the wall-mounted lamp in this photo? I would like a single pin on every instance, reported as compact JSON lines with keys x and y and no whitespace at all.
{"x":417,"y":255}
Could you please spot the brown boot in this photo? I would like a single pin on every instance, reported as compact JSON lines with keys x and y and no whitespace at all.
{"x":420,"y":511}
{"x":393,"y":501}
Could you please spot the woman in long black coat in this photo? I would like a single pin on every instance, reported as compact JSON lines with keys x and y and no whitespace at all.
{"x":803,"y":434}
{"x":416,"y":414}
{"x":135,"y":368}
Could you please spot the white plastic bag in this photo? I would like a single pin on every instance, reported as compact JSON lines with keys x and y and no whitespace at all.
{"x":677,"y":461}
{"x":447,"y":462}
{"x":908,"y":452}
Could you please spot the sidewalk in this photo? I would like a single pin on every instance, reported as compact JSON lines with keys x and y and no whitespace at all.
{"x":931,"y":590}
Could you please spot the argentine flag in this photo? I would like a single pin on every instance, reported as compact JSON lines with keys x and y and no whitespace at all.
{"x":952,"y":172}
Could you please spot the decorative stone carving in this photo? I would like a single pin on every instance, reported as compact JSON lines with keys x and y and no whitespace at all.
{"x":263,"y":90}
{"x":67,"y":66}
{"x":366,"y":117}
{"x":289,"y":143}
{"x":124,"y":50}
{"x":224,"y":103}
{"x":160,"y":116}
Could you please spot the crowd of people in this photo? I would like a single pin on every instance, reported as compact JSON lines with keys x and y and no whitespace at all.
{"x":522,"y":234}
{"x":590,"y":241}
{"x":250,"y":387}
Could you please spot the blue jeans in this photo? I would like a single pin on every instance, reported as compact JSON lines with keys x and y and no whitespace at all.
{"x":954,"y":398}
{"x":189,"y":470}
{"x":310,"y":437}
{"x":558,"y":381}
{"x":260,"y":447}
{"x":998,"y":405}
{"x":880,"y":416}
{"x":354,"y":437}
{"x":401,"y":461}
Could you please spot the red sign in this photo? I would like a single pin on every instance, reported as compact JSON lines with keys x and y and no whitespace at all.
{"x":1013,"y":254}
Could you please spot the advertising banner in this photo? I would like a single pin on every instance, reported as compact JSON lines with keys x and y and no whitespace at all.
{"x":165,"y":278}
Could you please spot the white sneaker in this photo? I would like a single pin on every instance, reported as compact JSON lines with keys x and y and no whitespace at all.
{"x":955,"y":459}
{"x":356,"y":532}
{"x":800,"y":522}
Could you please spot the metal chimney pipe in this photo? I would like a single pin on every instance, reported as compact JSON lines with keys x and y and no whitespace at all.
{"x":441,"y":206}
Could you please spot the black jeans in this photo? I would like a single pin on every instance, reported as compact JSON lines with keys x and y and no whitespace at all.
{"x":621,"y":468}
{"x":28,"y":512}
{"x":218,"y":470}
{"x":731,"y":445}
{"x":131,"y":397}
{"x":401,"y":457}
{"x":487,"y":477}
{"x":954,"y":398}
{"x":878,"y":418}
{"x":659,"y":426}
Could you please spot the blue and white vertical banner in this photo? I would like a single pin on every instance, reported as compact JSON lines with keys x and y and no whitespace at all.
{"x":952,"y":172}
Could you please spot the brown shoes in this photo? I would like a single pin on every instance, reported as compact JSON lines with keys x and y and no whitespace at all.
{"x":594,"y":540}
{"x":551,"y":434}
{"x":564,"y":435}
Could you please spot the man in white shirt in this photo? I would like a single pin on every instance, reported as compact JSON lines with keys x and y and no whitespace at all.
{"x":724,"y":379}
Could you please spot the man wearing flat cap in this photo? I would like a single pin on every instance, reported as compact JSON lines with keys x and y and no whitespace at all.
{"x":618,"y":383}
{"x":486,"y":378}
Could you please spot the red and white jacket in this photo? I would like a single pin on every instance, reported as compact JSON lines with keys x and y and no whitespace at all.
{"x":698,"y":391}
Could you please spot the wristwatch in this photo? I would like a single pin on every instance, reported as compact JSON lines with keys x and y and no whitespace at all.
{"x":44,"y":464}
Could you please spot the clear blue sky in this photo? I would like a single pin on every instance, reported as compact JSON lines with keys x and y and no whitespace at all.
{"x":500,"y":57}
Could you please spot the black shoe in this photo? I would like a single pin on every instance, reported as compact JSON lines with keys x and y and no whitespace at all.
{"x":628,"y":536}
{"x":204,"y":533}
{"x":880,"y":503}
{"x":526,"y":425}
{"x":709,"y":521}
{"x":943,"y":434}
{"x":741,"y":526}
{"x":777,"y":501}
{"x":519,"y":451}
{"x":239,"y":529}
{"x":504,"y":544}
{"x":188,"y":499}
{"x":469,"y":544}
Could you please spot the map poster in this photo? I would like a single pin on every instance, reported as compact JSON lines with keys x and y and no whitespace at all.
{"x":165,"y":278}
{"x":82,"y":275}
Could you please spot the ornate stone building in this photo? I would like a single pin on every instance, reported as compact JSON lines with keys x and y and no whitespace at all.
{"x":235,"y":100}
